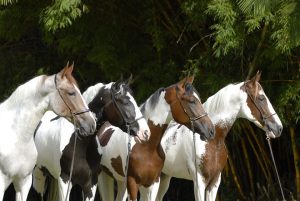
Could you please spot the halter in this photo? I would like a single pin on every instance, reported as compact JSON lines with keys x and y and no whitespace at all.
{"x":265,"y":118}
{"x":127,"y":123}
{"x":72,"y":113}
{"x":191,"y":119}
{"x":268,"y":140}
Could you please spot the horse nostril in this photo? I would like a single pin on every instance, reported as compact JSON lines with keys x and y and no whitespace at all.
{"x":280,"y":129}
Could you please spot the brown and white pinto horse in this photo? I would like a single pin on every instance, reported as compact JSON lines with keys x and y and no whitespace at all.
{"x":179,"y":102}
{"x":243,"y":100}
{"x":54,"y":140}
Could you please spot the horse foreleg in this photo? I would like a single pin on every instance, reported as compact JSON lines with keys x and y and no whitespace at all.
{"x":94,"y":188}
{"x":22,"y":187}
{"x":106,"y":187}
{"x":39,"y":181}
{"x":211,"y":193}
{"x":199,"y":188}
{"x":149,"y":194}
{"x":4,"y":183}
{"x":122,"y":191}
{"x":132,"y":188}
{"x":163,"y":186}
{"x":63,"y":189}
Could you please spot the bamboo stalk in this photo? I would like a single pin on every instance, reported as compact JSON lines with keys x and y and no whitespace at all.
{"x":235,"y":178}
{"x":258,"y":157}
{"x":263,"y":152}
{"x":248,"y":165}
{"x":296,"y":161}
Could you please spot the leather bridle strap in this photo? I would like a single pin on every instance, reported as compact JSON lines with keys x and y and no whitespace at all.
{"x":72,"y":113}
{"x":127,"y":123}
{"x":191,"y":119}
{"x":258,"y":108}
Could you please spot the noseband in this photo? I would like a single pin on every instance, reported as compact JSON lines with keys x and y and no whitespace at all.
{"x":127,"y":122}
{"x":72,"y":113}
{"x":264,"y":117}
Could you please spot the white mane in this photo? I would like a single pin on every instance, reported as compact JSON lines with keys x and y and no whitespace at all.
{"x":156,"y":108}
{"x":223,"y":104}
{"x":91,"y":92}
{"x":19,"y":97}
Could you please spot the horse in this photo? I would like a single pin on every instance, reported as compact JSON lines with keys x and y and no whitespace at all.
{"x":21,"y":113}
{"x":54,"y":140}
{"x":179,"y":102}
{"x":242,"y":100}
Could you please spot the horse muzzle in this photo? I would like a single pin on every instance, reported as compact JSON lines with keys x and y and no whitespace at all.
{"x":272,"y":129}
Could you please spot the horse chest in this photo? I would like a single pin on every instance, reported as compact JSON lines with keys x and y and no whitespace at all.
{"x":86,"y":163}
{"x":214,"y":159}
{"x":19,"y":162}
{"x":146,"y":164}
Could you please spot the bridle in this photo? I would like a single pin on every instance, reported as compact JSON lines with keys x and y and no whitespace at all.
{"x":191,"y":119}
{"x":73,"y":114}
{"x":264,"y":117}
{"x":127,"y":122}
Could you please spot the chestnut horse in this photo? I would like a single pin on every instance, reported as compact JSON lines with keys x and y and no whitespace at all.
{"x":243,"y":100}
{"x":179,"y":102}
{"x":55,"y":139}
{"x":21,"y":113}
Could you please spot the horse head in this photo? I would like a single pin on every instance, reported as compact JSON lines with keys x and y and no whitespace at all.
{"x":258,"y":109}
{"x":117,"y":105}
{"x":67,"y":101}
{"x":187,"y":109}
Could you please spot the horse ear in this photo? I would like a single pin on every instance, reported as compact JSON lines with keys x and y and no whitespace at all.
{"x":129,"y":80}
{"x":188,"y":79}
{"x":256,"y":78}
{"x":116,"y":85}
{"x":67,"y":70}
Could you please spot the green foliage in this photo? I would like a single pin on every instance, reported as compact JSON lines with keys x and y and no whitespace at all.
{"x":7,"y":2}
{"x":289,"y":104}
{"x":61,"y":14}
{"x":225,"y":34}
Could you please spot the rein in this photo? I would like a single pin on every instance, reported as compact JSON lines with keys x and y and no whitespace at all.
{"x":76,"y":133}
{"x":72,"y":164}
{"x":275,"y":167}
{"x":265,"y":118}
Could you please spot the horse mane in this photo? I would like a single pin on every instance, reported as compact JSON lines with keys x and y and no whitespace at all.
{"x":29,"y":88}
{"x":216,"y":103}
{"x":152,"y":100}
{"x":91,"y":92}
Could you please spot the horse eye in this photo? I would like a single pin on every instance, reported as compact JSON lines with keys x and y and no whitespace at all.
{"x":261,"y":97}
{"x":71,"y":93}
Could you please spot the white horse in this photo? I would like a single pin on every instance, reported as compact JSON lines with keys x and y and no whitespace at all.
{"x":177,"y":102}
{"x":55,"y":139}
{"x":242,"y":100}
{"x":21,"y":113}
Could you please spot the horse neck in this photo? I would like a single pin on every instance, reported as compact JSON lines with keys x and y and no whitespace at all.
{"x":223,"y":108}
{"x":157,"y":113}
{"x":29,"y":101}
